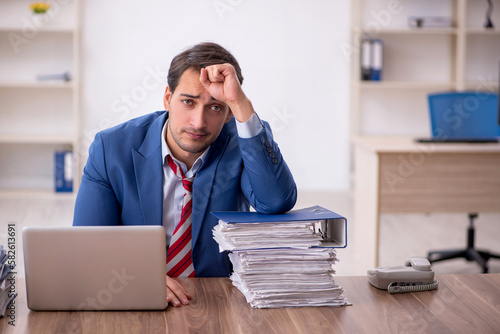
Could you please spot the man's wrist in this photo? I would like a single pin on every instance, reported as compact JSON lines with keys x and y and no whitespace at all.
{"x":243,"y":110}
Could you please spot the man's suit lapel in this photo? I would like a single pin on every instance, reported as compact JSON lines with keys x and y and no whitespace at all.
{"x":204,"y":182}
{"x":148,"y":169}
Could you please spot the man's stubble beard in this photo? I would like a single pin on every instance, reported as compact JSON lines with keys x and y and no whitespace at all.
{"x":186,"y":146}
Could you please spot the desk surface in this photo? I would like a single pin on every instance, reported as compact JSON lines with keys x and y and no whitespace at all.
{"x":462,"y":304}
{"x":397,"y":144}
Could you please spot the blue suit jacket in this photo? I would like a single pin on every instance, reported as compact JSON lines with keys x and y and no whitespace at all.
{"x":122,"y":183}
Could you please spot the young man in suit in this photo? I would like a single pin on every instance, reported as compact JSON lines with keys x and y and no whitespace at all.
{"x":211,"y":132}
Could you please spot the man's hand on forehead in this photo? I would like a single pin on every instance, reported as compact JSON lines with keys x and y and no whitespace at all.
{"x":221,"y":82}
{"x":223,"y":85}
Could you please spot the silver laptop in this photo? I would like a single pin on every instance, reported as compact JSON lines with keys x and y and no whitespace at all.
{"x":95,"y":268}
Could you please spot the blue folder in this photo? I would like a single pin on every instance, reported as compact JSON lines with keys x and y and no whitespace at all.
{"x":335,"y":224}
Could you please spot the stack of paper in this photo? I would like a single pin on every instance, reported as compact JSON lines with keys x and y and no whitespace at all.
{"x":267,"y":235}
{"x":279,"y":261}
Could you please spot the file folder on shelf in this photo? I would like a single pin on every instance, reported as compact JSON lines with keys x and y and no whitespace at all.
{"x":377,"y":49}
{"x":63,"y":171}
{"x":365,"y":59}
{"x":372,"y":59}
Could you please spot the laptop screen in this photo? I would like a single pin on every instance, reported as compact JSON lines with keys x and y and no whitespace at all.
{"x":95,"y":267}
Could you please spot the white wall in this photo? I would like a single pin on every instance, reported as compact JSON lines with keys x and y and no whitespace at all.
{"x":295,"y":72}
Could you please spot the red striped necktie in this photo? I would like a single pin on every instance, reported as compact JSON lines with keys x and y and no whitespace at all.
{"x":179,"y":260}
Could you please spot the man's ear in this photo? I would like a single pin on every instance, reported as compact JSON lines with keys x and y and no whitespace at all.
{"x":229,"y":114}
{"x":166,"y":98}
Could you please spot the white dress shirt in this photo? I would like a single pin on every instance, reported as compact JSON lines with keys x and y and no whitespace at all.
{"x":173,"y":191}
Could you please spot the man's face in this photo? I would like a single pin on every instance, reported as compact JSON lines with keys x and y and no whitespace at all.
{"x":195,"y":118}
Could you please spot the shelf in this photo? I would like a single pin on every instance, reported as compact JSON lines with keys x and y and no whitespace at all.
{"x":36,"y":139}
{"x":36,"y":84}
{"x":412,"y":31}
{"x":418,"y":61}
{"x":405,"y":85}
{"x":36,"y":193}
{"x":16,"y":16}
{"x":38,"y":117}
{"x":51,"y":29}
{"x":482,"y":86}
{"x":40,"y":187}
{"x":482,"y":31}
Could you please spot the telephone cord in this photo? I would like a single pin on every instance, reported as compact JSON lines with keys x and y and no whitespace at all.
{"x":411,"y":288}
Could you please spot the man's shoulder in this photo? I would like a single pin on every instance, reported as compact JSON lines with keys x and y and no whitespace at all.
{"x":134,"y":132}
{"x":138,"y":124}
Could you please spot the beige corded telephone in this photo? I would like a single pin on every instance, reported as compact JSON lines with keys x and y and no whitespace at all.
{"x":414,"y":275}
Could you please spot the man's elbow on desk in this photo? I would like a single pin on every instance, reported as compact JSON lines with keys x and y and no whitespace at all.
{"x":287,"y":202}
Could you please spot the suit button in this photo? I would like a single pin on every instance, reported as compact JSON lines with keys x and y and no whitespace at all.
{"x":275,"y":161}
{"x":269,"y":149}
{"x":266,"y":144}
{"x":272,"y":155}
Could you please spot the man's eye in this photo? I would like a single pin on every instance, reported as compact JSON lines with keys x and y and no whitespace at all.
{"x":216,"y":108}
{"x":187,"y":102}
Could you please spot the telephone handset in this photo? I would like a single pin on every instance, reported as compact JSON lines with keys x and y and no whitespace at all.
{"x":414,"y":275}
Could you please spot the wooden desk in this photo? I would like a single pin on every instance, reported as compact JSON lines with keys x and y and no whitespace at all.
{"x":461,"y":304}
{"x":396,"y":174}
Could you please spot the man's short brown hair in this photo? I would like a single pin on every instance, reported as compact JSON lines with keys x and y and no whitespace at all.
{"x":198,"y":57}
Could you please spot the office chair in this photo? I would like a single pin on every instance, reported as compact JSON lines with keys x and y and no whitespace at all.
{"x":466,"y":116}
{"x":470,"y":253}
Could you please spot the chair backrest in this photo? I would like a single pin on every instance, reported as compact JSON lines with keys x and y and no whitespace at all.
{"x":464,"y":115}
